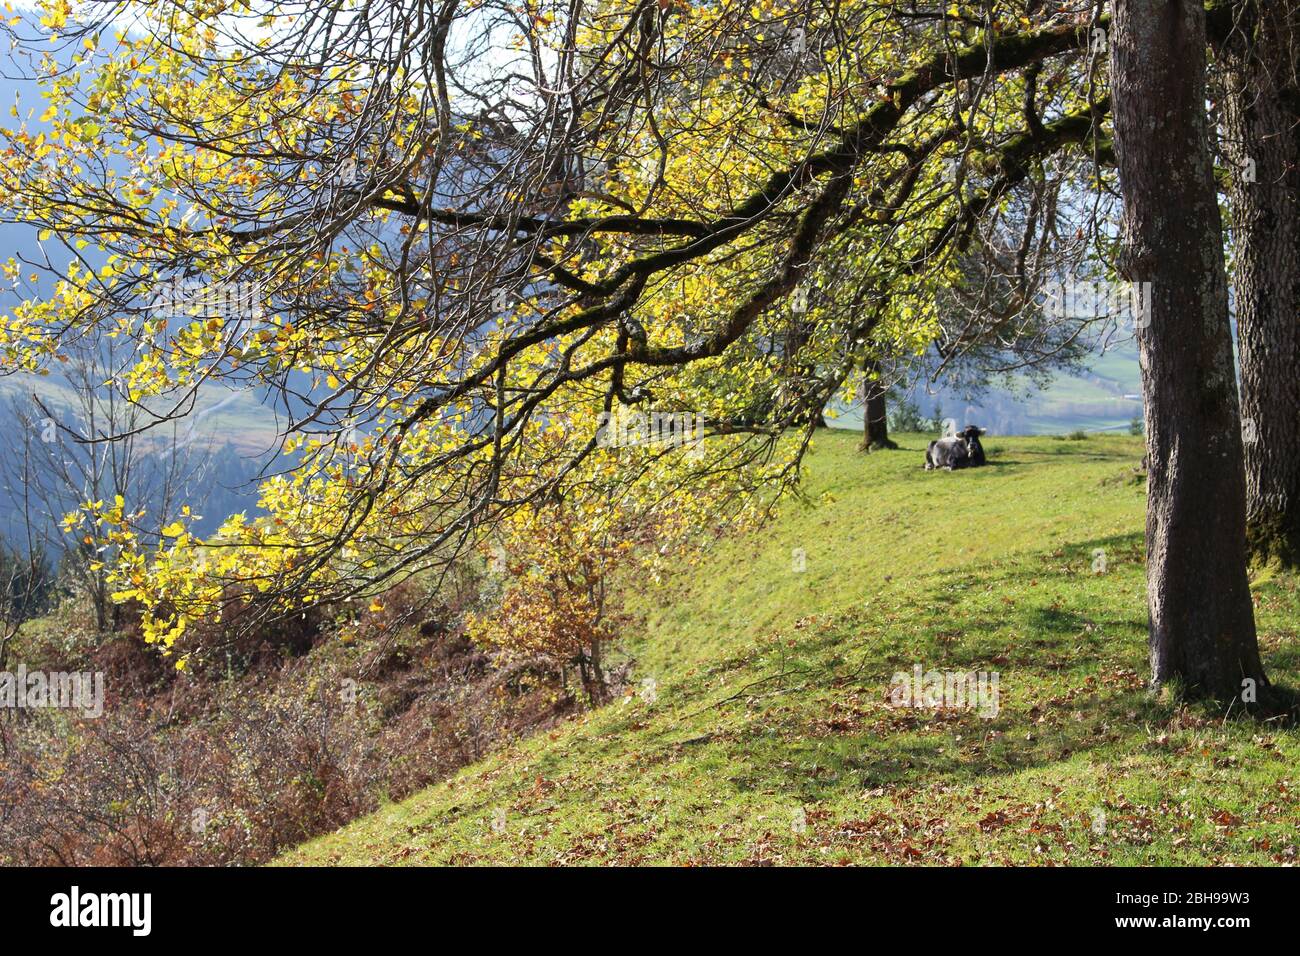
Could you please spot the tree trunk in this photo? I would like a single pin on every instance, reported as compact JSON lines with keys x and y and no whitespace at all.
{"x":797,"y":337}
{"x":593,"y":675}
{"x":1201,"y":626}
{"x":1258,"y":70}
{"x":875,"y":424}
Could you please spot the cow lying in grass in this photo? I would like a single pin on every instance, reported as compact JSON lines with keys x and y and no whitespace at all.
{"x":962,"y":450}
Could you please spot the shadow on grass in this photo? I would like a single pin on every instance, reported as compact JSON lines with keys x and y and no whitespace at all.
{"x":1070,"y":646}
{"x":925,"y":748}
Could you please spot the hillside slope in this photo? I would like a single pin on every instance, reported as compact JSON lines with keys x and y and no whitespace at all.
{"x":768,"y":737}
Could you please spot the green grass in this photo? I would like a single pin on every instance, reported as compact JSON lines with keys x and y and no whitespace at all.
{"x":1120,"y":366}
{"x":772,"y":740}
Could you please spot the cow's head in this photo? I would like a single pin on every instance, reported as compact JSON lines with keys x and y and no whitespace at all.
{"x":972,"y":433}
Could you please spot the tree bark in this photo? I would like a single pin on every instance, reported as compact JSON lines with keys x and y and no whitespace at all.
{"x":1258,"y":68}
{"x":875,"y":423}
{"x":593,"y":675}
{"x":1201,"y":625}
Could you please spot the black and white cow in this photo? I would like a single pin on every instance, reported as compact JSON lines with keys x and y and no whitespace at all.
{"x":962,"y":450}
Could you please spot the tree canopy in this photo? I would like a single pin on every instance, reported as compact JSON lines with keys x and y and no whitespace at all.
{"x":449,"y":240}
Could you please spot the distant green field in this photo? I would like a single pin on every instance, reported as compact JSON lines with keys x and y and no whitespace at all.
{"x":1120,"y":366}
{"x":219,"y":415}
{"x":1104,"y":398}
{"x":770,"y":738}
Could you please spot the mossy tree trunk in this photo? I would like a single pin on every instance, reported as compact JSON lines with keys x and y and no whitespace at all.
{"x":1201,"y":619}
{"x":1258,"y":60}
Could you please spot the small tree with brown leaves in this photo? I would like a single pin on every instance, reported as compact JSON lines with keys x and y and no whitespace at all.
{"x":555,"y":610}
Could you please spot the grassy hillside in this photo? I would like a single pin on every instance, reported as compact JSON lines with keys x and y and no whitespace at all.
{"x":771,"y":739}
